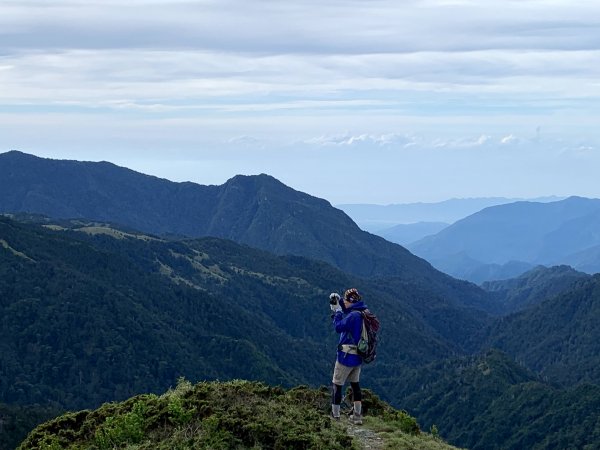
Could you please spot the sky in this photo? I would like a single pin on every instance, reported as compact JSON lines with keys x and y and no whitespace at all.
{"x":370,"y":101}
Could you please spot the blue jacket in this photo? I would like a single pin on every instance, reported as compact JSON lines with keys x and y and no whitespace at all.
{"x":348,"y":323}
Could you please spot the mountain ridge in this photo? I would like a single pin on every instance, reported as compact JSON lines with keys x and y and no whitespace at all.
{"x":375,"y":218}
{"x":405,"y":234}
{"x":258,"y":211}
{"x":533,"y":287}
{"x":525,"y":232}
{"x":235,"y":414}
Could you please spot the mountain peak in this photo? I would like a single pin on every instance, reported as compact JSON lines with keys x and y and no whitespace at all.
{"x":16,"y":154}
{"x":262,"y":179}
{"x":260,"y":176}
{"x":576,"y":199}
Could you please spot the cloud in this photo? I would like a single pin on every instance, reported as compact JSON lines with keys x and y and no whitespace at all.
{"x":236,"y":57}
{"x":389,"y":139}
{"x":509,"y":139}
{"x":302,"y":26}
{"x":245,"y":141}
{"x":413,"y":141}
{"x":182,"y":80}
{"x":464,"y":142}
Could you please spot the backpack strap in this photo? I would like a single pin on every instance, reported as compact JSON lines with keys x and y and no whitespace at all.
{"x":363,"y":330}
{"x":363,"y":334}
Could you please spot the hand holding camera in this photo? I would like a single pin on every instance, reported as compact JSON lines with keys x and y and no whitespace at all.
{"x":334,"y":302}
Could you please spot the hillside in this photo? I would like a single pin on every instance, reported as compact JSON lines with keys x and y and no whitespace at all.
{"x":490,"y":402}
{"x":533,"y":287}
{"x":90,"y":315}
{"x":559,"y":337}
{"x":526,"y":232}
{"x":255,"y":210}
{"x":233,"y":415}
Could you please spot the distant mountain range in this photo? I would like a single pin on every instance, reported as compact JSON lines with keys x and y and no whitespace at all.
{"x":376,"y":218}
{"x":258,"y":211}
{"x":405,"y":234}
{"x":520,"y":235}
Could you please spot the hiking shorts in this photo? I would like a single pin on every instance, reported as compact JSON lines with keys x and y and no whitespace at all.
{"x":342,"y":373}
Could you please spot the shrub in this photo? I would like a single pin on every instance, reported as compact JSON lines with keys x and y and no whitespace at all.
{"x":128,"y":428}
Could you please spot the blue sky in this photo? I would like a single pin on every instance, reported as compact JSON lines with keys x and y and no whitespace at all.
{"x":375,"y":101}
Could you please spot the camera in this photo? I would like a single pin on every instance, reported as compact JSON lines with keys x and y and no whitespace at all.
{"x":334,"y":298}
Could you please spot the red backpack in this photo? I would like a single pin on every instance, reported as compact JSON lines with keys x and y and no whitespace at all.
{"x":367,"y":345}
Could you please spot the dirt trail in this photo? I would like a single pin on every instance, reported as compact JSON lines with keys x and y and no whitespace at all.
{"x":369,"y":440}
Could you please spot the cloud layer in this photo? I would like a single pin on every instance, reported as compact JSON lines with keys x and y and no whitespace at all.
{"x":208,"y":75}
{"x":151,"y":50}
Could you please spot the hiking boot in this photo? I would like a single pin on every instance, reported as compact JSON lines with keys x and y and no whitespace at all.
{"x":356,"y":419}
{"x":336,"y":418}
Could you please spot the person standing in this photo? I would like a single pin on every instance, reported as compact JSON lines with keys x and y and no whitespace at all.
{"x":347,"y":320}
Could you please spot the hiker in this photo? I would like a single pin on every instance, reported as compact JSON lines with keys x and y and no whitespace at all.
{"x":347,"y":320}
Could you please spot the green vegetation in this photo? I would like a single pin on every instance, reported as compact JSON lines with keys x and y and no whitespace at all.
{"x":533,"y":287}
{"x":90,"y":318}
{"x":490,"y":402}
{"x":395,"y":438}
{"x":232,"y":415}
{"x":87,"y":318}
{"x":558,"y":338}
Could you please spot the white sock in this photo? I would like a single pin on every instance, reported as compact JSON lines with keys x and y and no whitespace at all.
{"x":358,"y":408}
{"x":335,"y":409}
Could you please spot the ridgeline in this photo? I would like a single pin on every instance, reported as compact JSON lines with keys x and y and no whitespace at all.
{"x":232,"y":415}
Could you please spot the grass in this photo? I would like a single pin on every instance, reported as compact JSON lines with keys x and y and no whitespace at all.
{"x":117,"y":234}
{"x":395,"y":436}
